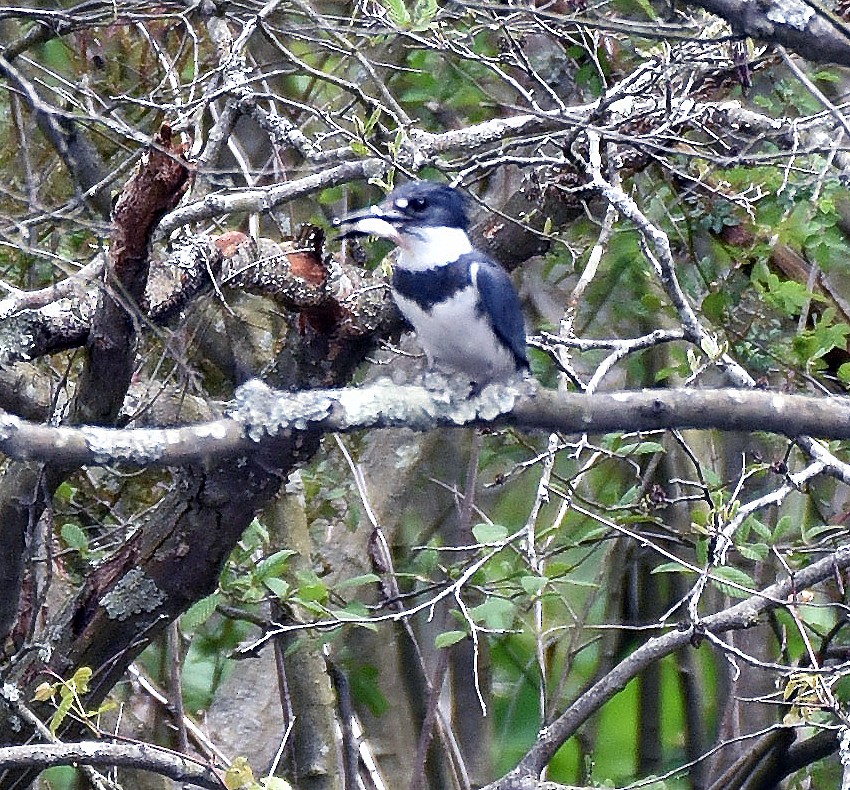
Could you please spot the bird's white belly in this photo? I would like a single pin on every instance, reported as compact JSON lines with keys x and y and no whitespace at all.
{"x":456,"y":338}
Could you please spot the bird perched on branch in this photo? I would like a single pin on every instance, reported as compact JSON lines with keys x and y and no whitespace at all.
{"x":462,"y":304}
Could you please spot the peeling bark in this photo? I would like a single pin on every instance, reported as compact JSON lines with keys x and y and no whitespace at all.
{"x":25,"y":490}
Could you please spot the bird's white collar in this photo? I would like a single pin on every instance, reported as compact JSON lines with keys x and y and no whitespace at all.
{"x":428,"y":247}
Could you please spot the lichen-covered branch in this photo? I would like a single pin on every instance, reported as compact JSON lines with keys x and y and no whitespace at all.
{"x":808,"y":28}
{"x":261,"y":417}
{"x":25,"y":488}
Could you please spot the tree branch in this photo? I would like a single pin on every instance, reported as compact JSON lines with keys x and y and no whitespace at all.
{"x":144,"y":756}
{"x":806,"y":27}
{"x":262,"y":416}
{"x":742,"y":615}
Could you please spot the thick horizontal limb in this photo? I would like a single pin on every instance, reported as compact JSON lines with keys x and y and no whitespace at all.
{"x":261,"y":416}
{"x":143,"y":756}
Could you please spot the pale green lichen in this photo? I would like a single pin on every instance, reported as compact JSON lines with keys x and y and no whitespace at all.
{"x":265,"y":412}
{"x":496,"y":399}
{"x":134,"y":594}
{"x":791,"y":14}
{"x":215,"y":430}
{"x":439,"y":402}
{"x":384,"y":403}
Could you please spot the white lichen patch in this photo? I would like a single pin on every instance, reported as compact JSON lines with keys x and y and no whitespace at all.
{"x":15,"y":340}
{"x":383,"y":403}
{"x":387,"y":403}
{"x":9,"y":424}
{"x":421,"y":408}
{"x":11,"y":692}
{"x":265,"y":412}
{"x":213,"y":430}
{"x":791,"y":13}
{"x":497,"y":399}
{"x":134,"y":594}
{"x":110,"y":446}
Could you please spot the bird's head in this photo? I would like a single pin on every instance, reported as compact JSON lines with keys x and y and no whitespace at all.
{"x":409,"y":211}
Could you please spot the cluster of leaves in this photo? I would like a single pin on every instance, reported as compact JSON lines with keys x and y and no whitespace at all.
{"x":66,"y":696}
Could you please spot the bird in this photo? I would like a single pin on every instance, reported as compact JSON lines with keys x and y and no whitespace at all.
{"x":462,"y":304}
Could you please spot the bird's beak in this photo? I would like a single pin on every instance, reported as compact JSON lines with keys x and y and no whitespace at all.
{"x":373,"y":221}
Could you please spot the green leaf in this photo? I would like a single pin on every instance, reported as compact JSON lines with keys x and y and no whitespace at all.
{"x":754,"y":551}
{"x":280,"y":587}
{"x":310,"y":605}
{"x":715,"y":305}
{"x":356,"y":612}
{"x":640,"y":448}
{"x":239,"y":775}
{"x":104,"y":707}
{"x":358,"y":581}
{"x":841,"y":689}
{"x":556,"y":569}
{"x":711,"y":477}
{"x":489,"y":533}
{"x":65,"y":492}
{"x":646,"y":7}
{"x":702,"y":551}
{"x":733,"y":575}
{"x":424,"y":13}
{"x":785,"y":526}
{"x":61,"y":712}
{"x":398,"y":12}
{"x":74,"y":537}
{"x":79,"y":682}
{"x":533,"y":585}
{"x":759,"y":527}
{"x":69,"y":693}
{"x":786,"y":295}
{"x":366,"y":689}
{"x":814,"y":532}
{"x":199,"y":612}
{"x":359,"y":148}
{"x":825,"y":75}
{"x":372,"y":121}
{"x":594,"y":533}
{"x":573,"y":582}
{"x":313,"y":591}
{"x":255,"y":536}
{"x":274,"y":565}
{"x":310,"y":586}
{"x":630,"y":497}
{"x":612,"y":441}
{"x":495,"y":613}
{"x":449,"y":638}
{"x":670,"y":567}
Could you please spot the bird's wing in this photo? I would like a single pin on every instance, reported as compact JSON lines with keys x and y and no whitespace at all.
{"x":501,"y":304}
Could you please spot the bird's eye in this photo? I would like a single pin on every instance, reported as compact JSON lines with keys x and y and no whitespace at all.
{"x":418,"y":203}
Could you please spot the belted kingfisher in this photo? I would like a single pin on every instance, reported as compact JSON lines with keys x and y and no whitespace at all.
{"x":462,"y":304}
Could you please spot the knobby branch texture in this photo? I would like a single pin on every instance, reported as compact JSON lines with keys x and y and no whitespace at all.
{"x":261,"y":416}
